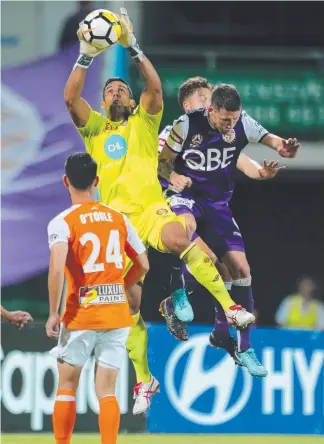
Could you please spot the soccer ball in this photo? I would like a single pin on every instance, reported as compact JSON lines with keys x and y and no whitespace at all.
{"x":101,"y":28}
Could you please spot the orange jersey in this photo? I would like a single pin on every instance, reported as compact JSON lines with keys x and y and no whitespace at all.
{"x":98,"y":238}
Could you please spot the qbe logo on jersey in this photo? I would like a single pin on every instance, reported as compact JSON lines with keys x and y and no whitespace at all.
{"x":203,"y":391}
{"x":115,"y":147}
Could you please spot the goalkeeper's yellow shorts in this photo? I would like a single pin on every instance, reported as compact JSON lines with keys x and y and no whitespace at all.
{"x":149,"y":225}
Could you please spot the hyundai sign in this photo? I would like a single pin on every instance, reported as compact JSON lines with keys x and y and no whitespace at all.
{"x":203,"y":391}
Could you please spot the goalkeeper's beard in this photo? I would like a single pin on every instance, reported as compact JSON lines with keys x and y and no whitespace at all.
{"x":117,"y":111}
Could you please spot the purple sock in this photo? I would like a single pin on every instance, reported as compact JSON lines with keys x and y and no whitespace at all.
{"x":177,"y":280}
{"x":222,"y":332}
{"x":178,"y":270}
{"x":170,"y":304}
{"x":221,"y":324}
{"x":242,"y":295}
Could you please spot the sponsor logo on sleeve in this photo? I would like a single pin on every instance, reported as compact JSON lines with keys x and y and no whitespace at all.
{"x":53,"y":237}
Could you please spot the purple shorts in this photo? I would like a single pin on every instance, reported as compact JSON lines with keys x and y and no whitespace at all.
{"x":215,"y":223}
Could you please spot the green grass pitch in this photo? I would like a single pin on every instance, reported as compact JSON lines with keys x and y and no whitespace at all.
{"x":169,"y":439}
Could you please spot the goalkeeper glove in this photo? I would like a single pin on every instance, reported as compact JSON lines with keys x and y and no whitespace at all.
{"x":127,"y":38}
{"x":87,"y":52}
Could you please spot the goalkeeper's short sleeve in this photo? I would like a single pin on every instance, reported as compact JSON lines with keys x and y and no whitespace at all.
{"x":93,"y":127}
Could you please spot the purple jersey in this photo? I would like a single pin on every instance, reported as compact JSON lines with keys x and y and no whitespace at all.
{"x":209,"y":157}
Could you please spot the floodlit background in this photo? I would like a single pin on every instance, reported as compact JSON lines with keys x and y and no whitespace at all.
{"x":274,"y":53}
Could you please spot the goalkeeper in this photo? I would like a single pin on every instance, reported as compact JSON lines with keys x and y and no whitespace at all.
{"x":123,"y":143}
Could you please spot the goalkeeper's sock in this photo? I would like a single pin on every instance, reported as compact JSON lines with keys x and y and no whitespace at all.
{"x":137,"y":349}
{"x":64,"y":416}
{"x":109,"y":419}
{"x":205,"y":272}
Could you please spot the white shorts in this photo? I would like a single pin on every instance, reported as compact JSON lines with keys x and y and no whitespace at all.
{"x":76,"y":346}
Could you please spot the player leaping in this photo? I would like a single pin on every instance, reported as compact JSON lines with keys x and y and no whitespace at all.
{"x":201,"y":155}
{"x":124,"y":144}
{"x":195,"y":93}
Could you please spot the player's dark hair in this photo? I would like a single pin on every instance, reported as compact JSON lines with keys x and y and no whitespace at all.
{"x":117,"y":79}
{"x":81,"y":170}
{"x":190,"y":86}
{"x":226,"y":96}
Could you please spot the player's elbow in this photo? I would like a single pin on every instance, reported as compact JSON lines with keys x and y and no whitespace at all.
{"x":69,"y":98}
{"x":157,"y":88}
{"x":157,"y":95}
{"x":69,"y":102}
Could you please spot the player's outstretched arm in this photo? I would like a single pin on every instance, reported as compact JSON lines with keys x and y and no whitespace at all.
{"x":58,"y":257}
{"x":285,"y":147}
{"x":152,"y":97}
{"x":252,"y":169}
{"x":257,"y":134}
{"x":17,"y":318}
{"x":78,"y":107}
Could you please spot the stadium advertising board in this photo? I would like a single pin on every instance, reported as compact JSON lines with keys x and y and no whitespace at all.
{"x":202,"y":391}
{"x":29,"y":377}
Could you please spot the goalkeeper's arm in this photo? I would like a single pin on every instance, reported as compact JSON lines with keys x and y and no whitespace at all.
{"x":152,"y":97}
{"x":78,"y":107}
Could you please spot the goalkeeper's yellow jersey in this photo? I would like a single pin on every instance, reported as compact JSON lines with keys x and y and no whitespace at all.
{"x":127,"y":159}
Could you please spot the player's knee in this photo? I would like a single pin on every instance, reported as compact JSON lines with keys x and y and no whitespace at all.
{"x":174,"y":238}
{"x":68,"y":385}
{"x":178,"y":244}
{"x":68,"y":381}
{"x":105,"y":380}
